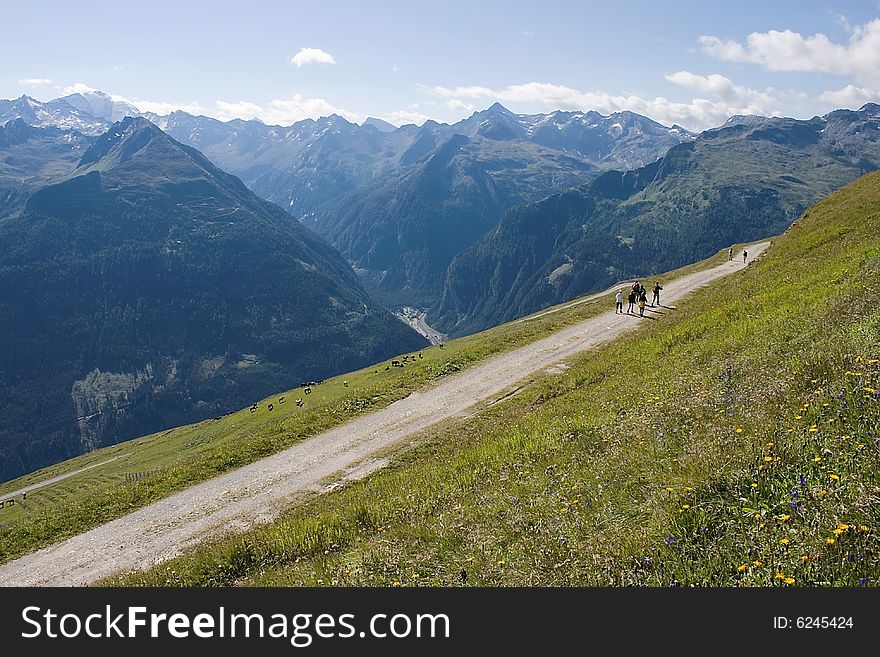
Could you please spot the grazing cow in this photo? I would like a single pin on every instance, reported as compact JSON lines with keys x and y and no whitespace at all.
{"x":281,"y":400}
{"x":270,"y":407}
{"x":299,"y":402}
{"x":396,"y":363}
{"x":253,"y":408}
{"x":307,"y":390}
{"x":387,"y":368}
{"x":345,"y":383}
{"x":420,"y":354}
{"x":441,"y":345}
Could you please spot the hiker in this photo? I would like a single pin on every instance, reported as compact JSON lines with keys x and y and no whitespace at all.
{"x":745,"y":255}
{"x":618,"y":302}
{"x":729,"y":254}
{"x":642,"y":300}
{"x":656,"y":300}
{"x":632,"y":300}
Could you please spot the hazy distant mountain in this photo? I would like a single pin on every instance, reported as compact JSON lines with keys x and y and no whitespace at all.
{"x":101,"y":105}
{"x":147,"y":289}
{"x":379,"y":124}
{"x":58,"y":113}
{"x":31,"y":157}
{"x":742,"y":182}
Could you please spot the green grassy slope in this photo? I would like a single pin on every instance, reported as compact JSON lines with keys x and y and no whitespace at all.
{"x":731,"y":443}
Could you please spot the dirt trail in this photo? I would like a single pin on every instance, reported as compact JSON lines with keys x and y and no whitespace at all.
{"x":258,"y":492}
{"x":55,"y":480}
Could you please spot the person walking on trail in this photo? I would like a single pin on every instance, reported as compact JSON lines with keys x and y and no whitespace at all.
{"x":632,"y":301}
{"x":745,"y":255}
{"x":642,"y":300}
{"x":618,"y":302}
{"x":729,"y":254}
{"x":656,"y":300}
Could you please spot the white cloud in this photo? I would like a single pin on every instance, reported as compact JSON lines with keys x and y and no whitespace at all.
{"x":34,"y":82}
{"x":281,"y":112}
{"x":790,"y":51}
{"x":402,"y":117}
{"x":311,"y":56}
{"x":720,"y":87}
{"x":850,"y":96}
{"x":161,"y":107}
{"x":78,"y":88}
{"x":697,"y":114}
{"x":457,"y":105}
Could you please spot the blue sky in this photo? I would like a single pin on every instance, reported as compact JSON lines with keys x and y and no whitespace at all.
{"x":692,"y":63}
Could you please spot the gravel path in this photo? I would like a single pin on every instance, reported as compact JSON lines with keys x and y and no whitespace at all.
{"x":258,"y":492}
{"x":55,"y":480}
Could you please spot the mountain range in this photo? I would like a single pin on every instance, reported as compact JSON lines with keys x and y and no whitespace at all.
{"x":398,"y":203}
{"x":146,"y":288}
{"x":746,"y":180}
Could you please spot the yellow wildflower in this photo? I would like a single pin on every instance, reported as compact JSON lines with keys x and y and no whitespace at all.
{"x":843,"y":526}
{"x":817,"y":459}
{"x":784,"y":541}
{"x":789,"y":580}
{"x":756,"y":564}
{"x":863,"y":528}
{"x":805,"y":558}
{"x":768,"y":458}
{"x":739,"y":430}
{"x":837,"y":532}
{"x":742,"y":568}
{"x":834,"y":477}
{"x":754,"y":485}
{"x":830,"y":541}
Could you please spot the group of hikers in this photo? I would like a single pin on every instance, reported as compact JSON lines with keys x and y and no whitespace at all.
{"x":730,"y":254}
{"x":638,"y":296}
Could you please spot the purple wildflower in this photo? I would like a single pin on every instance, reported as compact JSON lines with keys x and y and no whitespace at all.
{"x":669,"y":540}
{"x":863,"y":581}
